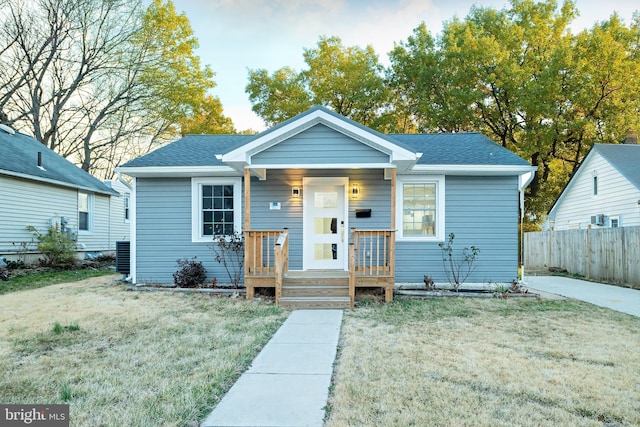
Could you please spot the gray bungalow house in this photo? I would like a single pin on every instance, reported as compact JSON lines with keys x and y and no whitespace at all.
{"x":324,"y":201}
{"x":39,"y":188}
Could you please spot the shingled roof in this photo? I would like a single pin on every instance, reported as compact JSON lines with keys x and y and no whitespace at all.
{"x":436,"y":149}
{"x":19,"y":158}
{"x":625,"y":158}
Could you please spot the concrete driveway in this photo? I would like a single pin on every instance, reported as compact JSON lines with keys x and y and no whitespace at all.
{"x":616,"y":298}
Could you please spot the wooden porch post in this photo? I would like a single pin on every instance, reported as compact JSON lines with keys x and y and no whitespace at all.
{"x":393,"y":198}
{"x":247,"y":199}
{"x":248,"y":247}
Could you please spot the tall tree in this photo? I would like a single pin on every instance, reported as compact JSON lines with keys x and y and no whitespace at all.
{"x":349,"y":80}
{"x":85,"y":77}
{"x":521,"y":77}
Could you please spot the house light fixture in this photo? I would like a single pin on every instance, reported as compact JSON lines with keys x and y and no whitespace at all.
{"x":295,"y":192}
{"x":355,"y":191}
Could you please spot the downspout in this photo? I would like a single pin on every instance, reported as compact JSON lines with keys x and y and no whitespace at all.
{"x":523,"y":181}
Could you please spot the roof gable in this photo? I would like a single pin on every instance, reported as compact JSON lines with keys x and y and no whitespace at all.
{"x":19,"y":158}
{"x":622,"y":157}
{"x":625,"y":158}
{"x":243,"y":156}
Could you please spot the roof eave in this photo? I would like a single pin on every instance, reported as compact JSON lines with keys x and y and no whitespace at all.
{"x":477,"y":170}
{"x":177,"y":171}
{"x":106,"y":191}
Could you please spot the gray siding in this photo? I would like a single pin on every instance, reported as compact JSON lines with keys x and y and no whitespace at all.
{"x":480,"y":211}
{"x":98,"y":239}
{"x":163,"y":229}
{"x":25,"y":202}
{"x":320,"y":145}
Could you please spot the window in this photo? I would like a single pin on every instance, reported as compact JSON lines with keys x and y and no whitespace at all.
{"x":216,"y":204}
{"x":614,"y":222}
{"x":126,"y":207}
{"x":421,"y":208}
{"x":595,"y":185}
{"x":85,"y":201}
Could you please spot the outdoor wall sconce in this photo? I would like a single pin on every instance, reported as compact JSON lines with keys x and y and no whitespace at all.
{"x":355,"y":191}
{"x":295,"y":192}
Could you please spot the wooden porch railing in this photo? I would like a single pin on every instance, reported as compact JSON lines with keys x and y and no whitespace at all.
{"x":260,"y":258}
{"x":281,"y":262}
{"x":372,"y":261}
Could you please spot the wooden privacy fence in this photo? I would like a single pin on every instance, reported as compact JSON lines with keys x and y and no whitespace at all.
{"x":603,"y":254}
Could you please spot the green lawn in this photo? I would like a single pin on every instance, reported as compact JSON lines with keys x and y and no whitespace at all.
{"x":20,"y":281}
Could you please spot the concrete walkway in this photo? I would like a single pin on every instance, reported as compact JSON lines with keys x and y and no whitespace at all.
{"x":288,"y":382}
{"x":616,"y":298}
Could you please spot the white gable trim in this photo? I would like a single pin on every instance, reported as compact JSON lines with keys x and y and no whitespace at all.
{"x":242,"y":156}
{"x":574,"y":178}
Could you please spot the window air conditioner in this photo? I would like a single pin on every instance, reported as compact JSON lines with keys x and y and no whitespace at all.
{"x":597,"y":219}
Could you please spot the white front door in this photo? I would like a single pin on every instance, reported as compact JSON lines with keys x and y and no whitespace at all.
{"x":325,"y":223}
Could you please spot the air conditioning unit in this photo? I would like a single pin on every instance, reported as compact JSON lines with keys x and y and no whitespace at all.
{"x":597,"y":219}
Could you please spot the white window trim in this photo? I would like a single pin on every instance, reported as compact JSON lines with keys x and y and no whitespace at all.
{"x":126,"y":208}
{"x":439,"y":181}
{"x":91,"y":207}
{"x":196,"y":205}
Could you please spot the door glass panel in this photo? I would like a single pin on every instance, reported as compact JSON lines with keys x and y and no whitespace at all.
{"x":325,"y":251}
{"x":326,"y":200}
{"x":326,"y":225}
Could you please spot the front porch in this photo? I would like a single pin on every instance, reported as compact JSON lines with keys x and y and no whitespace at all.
{"x":371,"y":264}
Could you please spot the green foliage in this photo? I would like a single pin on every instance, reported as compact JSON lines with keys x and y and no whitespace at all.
{"x":58,"y":249}
{"x":458,"y":268}
{"x":229,"y":251}
{"x":521,"y":77}
{"x":58,"y":328}
{"x":190,"y":274}
{"x":46,"y":278}
{"x":174,"y":75}
{"x":349,"y":80}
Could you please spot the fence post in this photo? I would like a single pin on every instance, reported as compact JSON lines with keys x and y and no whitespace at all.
{"x":589,"y":251}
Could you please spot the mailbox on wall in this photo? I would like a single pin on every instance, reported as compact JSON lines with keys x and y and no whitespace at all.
{"x":363,"y":213}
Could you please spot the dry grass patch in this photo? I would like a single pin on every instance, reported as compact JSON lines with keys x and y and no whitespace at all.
{"x":485,"y":362}
{"x":127,"y":358}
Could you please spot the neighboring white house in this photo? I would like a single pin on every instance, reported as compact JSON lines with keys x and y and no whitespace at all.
{"x":39,"y":188}
{"x":604,"y":192}
{"x":120,"y":213}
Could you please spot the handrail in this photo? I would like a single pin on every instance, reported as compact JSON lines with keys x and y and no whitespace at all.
{"x":371,"y":254}
{"x":281,"y":252}
{"x":374,"y":252}
{"x":258,"y":252}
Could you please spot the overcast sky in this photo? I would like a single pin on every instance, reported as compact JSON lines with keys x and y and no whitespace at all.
{"x":237,"y":35}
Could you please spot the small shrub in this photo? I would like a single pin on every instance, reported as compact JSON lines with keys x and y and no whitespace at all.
{"x":191,"y":273}
{"x":229,"y":251}
{"x":15,"y":265}
{"x":58,"y":249}
{"x":458,"y":269}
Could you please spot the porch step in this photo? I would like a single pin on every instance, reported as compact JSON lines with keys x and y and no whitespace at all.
{"x":315,"y":302}
{"x":315,"y":290}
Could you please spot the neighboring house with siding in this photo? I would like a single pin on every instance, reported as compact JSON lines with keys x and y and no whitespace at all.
{"x":604,"y":191}
{"x":40,"y":188}
{"x":328,"y":180}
